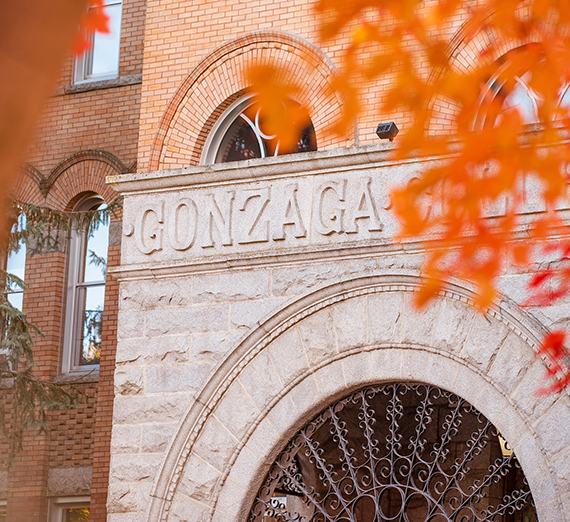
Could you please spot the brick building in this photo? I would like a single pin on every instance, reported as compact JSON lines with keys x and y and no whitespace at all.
{"x":247,"y":297}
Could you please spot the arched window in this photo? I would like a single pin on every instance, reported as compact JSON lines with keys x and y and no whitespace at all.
{"x":239,"y":135}
{"x":85,"y":296}
{"x":509,"y":90}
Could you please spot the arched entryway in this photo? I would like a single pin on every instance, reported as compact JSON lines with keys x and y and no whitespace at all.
{"x":340,"y":339}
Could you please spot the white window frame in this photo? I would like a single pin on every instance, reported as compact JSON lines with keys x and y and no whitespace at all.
{"x":82,"y":62}
{"x":74,"y":262}
{"x":58,"y":504}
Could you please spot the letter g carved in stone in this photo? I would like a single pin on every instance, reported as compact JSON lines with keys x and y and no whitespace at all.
{"x":149,"y":227}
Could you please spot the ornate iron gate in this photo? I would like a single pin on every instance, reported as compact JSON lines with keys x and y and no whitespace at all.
{"x":398,"y":452}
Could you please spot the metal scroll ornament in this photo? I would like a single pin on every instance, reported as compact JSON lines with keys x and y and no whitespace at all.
{"x":396,"y":453}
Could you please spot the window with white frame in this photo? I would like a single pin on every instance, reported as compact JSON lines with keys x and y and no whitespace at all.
{"x":86,"y":274}
{"x":69,"y":509}
{"x":101,"y":62}
{"x":239,"y":134}
{"x":16,"y":265}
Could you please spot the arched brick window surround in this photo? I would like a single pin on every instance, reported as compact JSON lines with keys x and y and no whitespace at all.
{"x":218,"y":79}
{"x":464,"y":53}
{"x":80,"y":173}
{"x":339,"y":339}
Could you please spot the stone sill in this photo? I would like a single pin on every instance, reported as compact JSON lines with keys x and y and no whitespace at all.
{"x":121,"y":81}
{"x":78,"y":378}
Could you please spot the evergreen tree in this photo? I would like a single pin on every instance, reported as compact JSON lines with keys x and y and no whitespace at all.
{"x":25,"y":400}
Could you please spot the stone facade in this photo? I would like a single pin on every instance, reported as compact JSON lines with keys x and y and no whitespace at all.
{"x":227,"y":346}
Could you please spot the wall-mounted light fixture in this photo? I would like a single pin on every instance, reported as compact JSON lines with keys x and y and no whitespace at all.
{"x":387,"y":131}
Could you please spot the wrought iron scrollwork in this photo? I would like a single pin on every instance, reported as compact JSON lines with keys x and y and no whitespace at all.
{"x":398,"y":452}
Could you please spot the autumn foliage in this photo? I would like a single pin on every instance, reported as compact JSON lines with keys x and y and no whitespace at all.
{"x":494,"y":195}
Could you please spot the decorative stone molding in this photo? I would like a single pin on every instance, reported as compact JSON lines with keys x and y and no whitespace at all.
{"x":338,"y":339}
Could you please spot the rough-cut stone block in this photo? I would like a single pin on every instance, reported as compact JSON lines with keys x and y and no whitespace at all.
{"x":157,"y":437}
{"x":213,"y":346}
{"x":350,"y":321}
{"x":237,"y":411}
{"x":288,"y":355}
{"x":185,"y":509}
{"x":247,"y":314}
{"x":543,"y":487}
{"x":491,"y":402}
{"x":512,"y":361}
{"x":130,"y":325}
{"x":386,"y":364}
{"x":155,"y":293}
{"x":146,"y":409}
{"x":301,"y":279}
{"x":526,"y":395}
{"x":553,"y":428}
{"x":158,"y":350}
{"x":69,"y":481}
{"x":415,"y":365}
{"x":561,"y":465}
{"x":229,"y":505}
{"x":122,"y":498}
{"x":265,"y":443}
{"x":261,"y":380}
{"x":513,"y":427}
{"x":452,"y":326}
{"x":195,"y":319}
{"x":216,"y":444}
{"x":358,"y":369}
{"x":486,"y":336}
{"x":441,"y":371}
{"x":134,"y":468}
{"x":129,"y":380}
{"x":126,"y":438}
{"x":198,"y":479}
{"x":385,"y":315}
{"x":306,"y":397}
{"x":282,"y":416}
{"x":330,"y":379}
{"x":231,"y":286}
{"x":418,"y":325}
{"x":176,"y":378}
{"x":317,"y":333}
{"x":467,"y":384}
{"x":246,"y":470}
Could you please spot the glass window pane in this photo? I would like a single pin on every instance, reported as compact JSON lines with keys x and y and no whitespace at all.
{"x":239,"y":143}
{"x":95,"y":257}
{"x":89,"y":324}
{"x":76,"y":515}
{"x":16,"y":299}
{"x":106,"y":46}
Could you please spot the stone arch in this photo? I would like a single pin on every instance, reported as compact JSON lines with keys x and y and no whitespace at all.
{"x":339,"y":339}
{"x":216,"y":79}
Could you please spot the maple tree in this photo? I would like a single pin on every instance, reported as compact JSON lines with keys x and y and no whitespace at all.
{"x":474,"y":201}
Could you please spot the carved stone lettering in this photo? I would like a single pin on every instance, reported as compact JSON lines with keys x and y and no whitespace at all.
{"x":183,"y":224}
{"x":218,"y":217}
{"x":364,"y":208}
{"x":290,"y":215}
{"x":148,"y":229}
{"x":255,"y":228}
{"x":326,"y":219}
